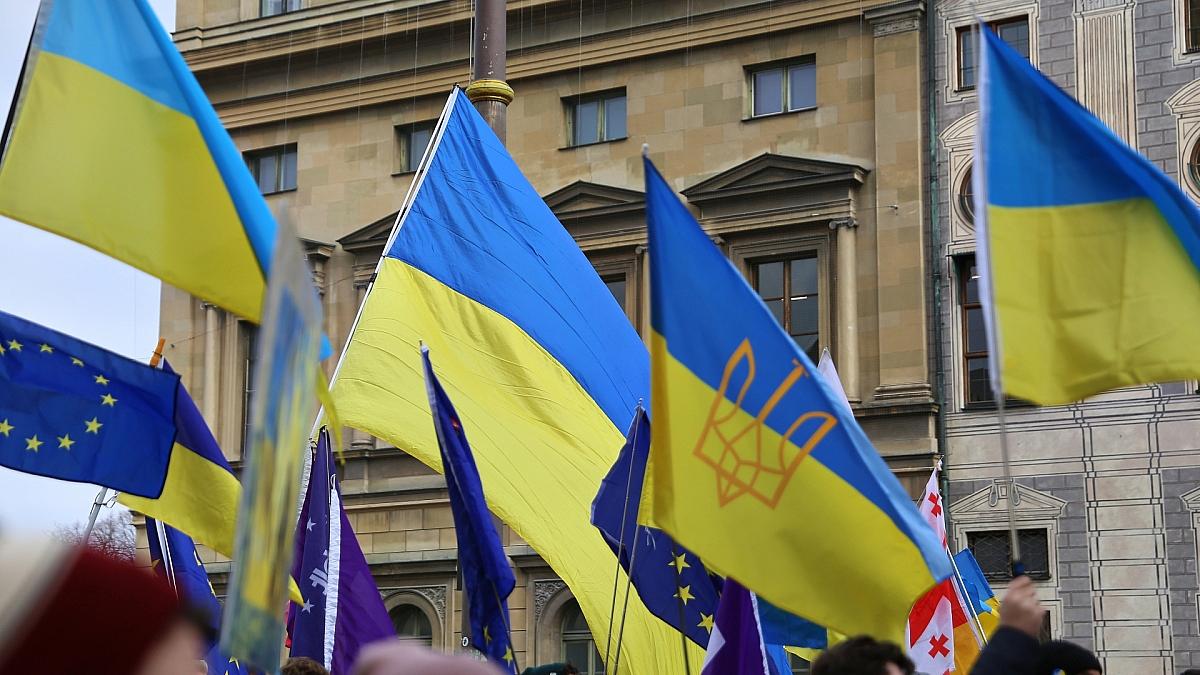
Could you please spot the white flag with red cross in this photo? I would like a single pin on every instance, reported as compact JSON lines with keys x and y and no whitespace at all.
{"x":931,"y":631}
{"x":932,"y":509}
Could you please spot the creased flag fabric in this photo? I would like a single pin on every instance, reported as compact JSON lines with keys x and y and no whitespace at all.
{"x":537,"y":355}
{"x":173,"y":556}
{"x":486,"y":575}
{"x":736,"y":646}
{"x":153,"y":178}
{"x":343,"y":610}
{"x":73,"y":411}
{"x":671,"y":581}
{"x":1089,"y":252}
{"x":983,"y":600}
{"x":931,"y":630}
{"x":754,"y":464}
{"x":931,"y":507}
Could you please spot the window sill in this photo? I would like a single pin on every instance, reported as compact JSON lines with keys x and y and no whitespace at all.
{"x":279,"y":192}
{"x":986,"y":406}
{"x":965,"y":90}
{"x":406,"y":172}
{"x":753,"y":118}
{"x":588,"y":145}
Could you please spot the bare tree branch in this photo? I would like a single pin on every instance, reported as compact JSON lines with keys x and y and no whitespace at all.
{"x":113,"y":535}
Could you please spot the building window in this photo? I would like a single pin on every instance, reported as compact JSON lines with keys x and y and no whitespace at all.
{"x":619,"y":288}
{"x":273,"y":7}
{"x":966,"y":196}
{"x":578,"y":647}
{"x":1191,"y":9}
{"x":411,"y":141}
{"x":274,"y":169}
{"x":993,"y":551}
{"x":1013,"y":31}
{"x":799,"y":666}
{"x":412,"y":625}
{"x":789,"y":289}
{"x":783,"y":88}
{"x":596,"y":118}
{"x":249,"y":339}
{"x":974,"y":346}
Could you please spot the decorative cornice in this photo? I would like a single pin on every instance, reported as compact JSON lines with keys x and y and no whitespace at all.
{"x":849,"y":223}
{"x":543,"y":591}
{"x":771,"y":172}
{"x":436,"y":595}
{"x":898,"y":17}
{"x":490,"y":90}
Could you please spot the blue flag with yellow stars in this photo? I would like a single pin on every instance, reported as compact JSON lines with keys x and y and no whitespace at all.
{"x":76,"y":412}
{"x":173,"y":555}
{"x":487,"y":578}
{"x":670,"y":580}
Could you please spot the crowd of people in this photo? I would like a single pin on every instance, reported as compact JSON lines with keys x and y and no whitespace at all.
{"x":69,"y":610}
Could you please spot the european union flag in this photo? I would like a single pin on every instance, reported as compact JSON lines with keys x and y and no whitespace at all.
{"x":671,"y":581}
{"x":173,"y":555}
{"x":487,"y":578}
{"x":76,"y":412}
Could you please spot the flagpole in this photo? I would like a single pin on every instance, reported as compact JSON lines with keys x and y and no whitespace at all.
{"x":102,"y":497}
{"x":625,"y":608}
{"x":964,"y":601}
{"x":612,"y":610}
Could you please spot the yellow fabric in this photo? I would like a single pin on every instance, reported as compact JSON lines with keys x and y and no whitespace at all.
{"x":788,"y":574}
{"x":966,"y":648}
{"x":159,"y":205}
{"x":542,"y":445}
{"x":1090,"y":298}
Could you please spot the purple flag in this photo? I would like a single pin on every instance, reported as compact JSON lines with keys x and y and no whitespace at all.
{"x":736,"y":645}
{"x":342,"y":609}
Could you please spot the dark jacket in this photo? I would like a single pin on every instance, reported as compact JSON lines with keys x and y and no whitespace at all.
{"x":1008,"y":652}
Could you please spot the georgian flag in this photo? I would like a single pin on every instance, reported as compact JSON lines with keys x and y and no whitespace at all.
{"x":930,"y":633}
{"x":931,"y":507}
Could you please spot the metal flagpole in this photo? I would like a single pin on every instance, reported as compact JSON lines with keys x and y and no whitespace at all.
{"x":102,"y":497}
{"x":612,"y":610}
{"x":625,"y":607}
{"x":964,"y":600}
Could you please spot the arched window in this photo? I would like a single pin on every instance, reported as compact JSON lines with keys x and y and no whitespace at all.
{"x":1193,"y":165}
{"x":412,"y":625}
{"x":966,"y":195}
{"x":578,"y":647}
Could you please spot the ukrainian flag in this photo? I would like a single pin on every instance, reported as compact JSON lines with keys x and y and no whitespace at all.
{"x":754,"y":464}
{"x":76,"y":412}
{"x":980,"y":595}
{"x":542,"y":364}
{"x":1089,"y":252}
{"x":114,"y":145}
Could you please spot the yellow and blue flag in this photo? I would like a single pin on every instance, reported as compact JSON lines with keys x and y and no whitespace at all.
{"x":982,"y":598}
{"x":73,"y":411}
{"x":113,"y":144}
{"x":541,"y":362}
{"x":754,"y":464}
{"x":1089,"y":253}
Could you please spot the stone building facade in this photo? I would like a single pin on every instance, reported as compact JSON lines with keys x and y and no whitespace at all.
{"x":796,"y":131}
{"x":1105,"y":490}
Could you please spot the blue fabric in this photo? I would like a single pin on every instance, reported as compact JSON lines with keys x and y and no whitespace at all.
{"x":54,"y":388}
{"x":1078,"y":159}
{"x":978,"y":588}
{"x":777,"y":658}
{"x":191,"y":431}
{"x":487,"y":577}
{"x":783,"y":628}
{"x":357,"y":617}
{"x":651,"y":551}
{"x":509,"y":253}
{"x":174,"y":558}
{"x":704,"y":340}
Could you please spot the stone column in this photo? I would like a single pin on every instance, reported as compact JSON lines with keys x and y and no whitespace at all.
{"x":1104,"y":63}
{"x":211,"y":367}
{"x":847,"y":304}
{"x":900,"y":166}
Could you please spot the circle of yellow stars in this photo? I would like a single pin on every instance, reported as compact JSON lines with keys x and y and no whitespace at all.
{"x":65,"y":442}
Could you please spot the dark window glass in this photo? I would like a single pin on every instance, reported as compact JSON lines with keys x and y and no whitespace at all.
{"x":799,"y":666}
{"x":617,"y":286}
{"x":1014,"y":32}
{"x":412,"y":625}
{"x":1192,"y":25}
{"x":768,"y":92}
{"x":787,"y":87}
{"x":598,"y":117}
{"x":411,"y":142}
{"x":789,"y":288}
{"x":249,"y":335}
{"x":966,"y":195}
{"x":273,"y":7}
{"x":975,"y":350}
{"x":802,"y":86}
{"x":578,"y":647}
{"x":274,"y":169}
{"x":993,"y":551}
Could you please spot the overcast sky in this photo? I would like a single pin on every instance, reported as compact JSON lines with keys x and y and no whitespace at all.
{"x":65,"y":286}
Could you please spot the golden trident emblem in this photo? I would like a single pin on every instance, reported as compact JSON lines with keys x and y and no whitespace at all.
{"x":735,"y":449}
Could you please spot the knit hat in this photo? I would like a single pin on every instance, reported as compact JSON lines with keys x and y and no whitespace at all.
{"x":68,"y":610}
{"x":1067,"y":657}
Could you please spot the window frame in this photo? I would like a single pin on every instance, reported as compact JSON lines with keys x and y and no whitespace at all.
{"x":608,"y":266}
{"x":579,"y":636}
{"x":247,"y":346}
{"x":785,"y":66}
{"x":1190,"y":28}
{"x":962,"y":264}
{"x":415,"y":611}
{"x":288,"y":6}
{"x":251,"y":157}
{"x":787,"y":296}
{"x":571,"y":103}
{"x":402,"y":138}
{"x":1004,"y":575}
{"x":961,"y":31}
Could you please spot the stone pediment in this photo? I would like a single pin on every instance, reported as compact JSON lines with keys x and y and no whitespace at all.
{"x":373,"y":236}
{"x":582,"y":198}
{"x":770,"y":172}
{"x":990,"y":504}
{"x":1191,"y":500}
{"x":1186,"y":100}
{"x":962,"y":132}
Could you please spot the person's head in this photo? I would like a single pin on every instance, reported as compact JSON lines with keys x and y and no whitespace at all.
{"x":393,"y":657}
{"x":1068,"y":657}
{"x":863,"y":655}
{"x":302,"y":665}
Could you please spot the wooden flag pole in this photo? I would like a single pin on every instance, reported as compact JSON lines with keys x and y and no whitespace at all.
{"x":102,"y":497}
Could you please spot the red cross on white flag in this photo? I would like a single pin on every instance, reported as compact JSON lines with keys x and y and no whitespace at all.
{"x":932,"y":509}
{"x":931,"y":631}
